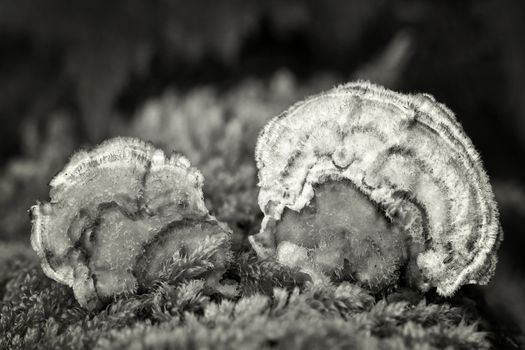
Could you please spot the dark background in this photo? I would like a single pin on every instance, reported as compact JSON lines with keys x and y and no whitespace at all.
{"x":75,"y":72}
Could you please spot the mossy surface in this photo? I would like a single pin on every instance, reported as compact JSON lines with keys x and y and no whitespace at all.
{"x":258,"y":304}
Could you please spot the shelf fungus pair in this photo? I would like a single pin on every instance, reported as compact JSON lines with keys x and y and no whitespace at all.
{"x":359,"y":182}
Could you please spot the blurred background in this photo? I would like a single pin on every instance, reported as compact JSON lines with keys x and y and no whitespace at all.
{"x":203,"y":76}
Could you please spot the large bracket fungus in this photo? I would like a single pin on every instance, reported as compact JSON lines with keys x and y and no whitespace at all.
{"x":117,"y":214}
{"x":379,"y":184}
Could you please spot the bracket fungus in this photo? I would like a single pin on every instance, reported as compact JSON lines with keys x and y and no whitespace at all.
{"x":117,"y":214}
{"x":379,"y":185}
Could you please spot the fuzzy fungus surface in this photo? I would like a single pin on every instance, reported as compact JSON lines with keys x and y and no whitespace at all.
{"x":341,"y":227}
{"x":117,"y":215}
{"x":375,"y":182}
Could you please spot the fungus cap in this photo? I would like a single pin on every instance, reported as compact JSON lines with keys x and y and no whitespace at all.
{"x":116,"y":214}
{"x":408,"y":156}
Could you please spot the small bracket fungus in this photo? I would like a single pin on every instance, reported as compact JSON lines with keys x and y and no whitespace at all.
{"x":117,"y":214}
{"x":378,"y":185}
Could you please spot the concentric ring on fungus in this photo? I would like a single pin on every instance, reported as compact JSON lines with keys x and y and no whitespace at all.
{"x":378,"y":185}
{"x":117,"y":214}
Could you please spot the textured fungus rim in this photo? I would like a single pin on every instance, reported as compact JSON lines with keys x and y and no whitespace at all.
{"x":111,"y":153}
{"x":431,"y":114}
